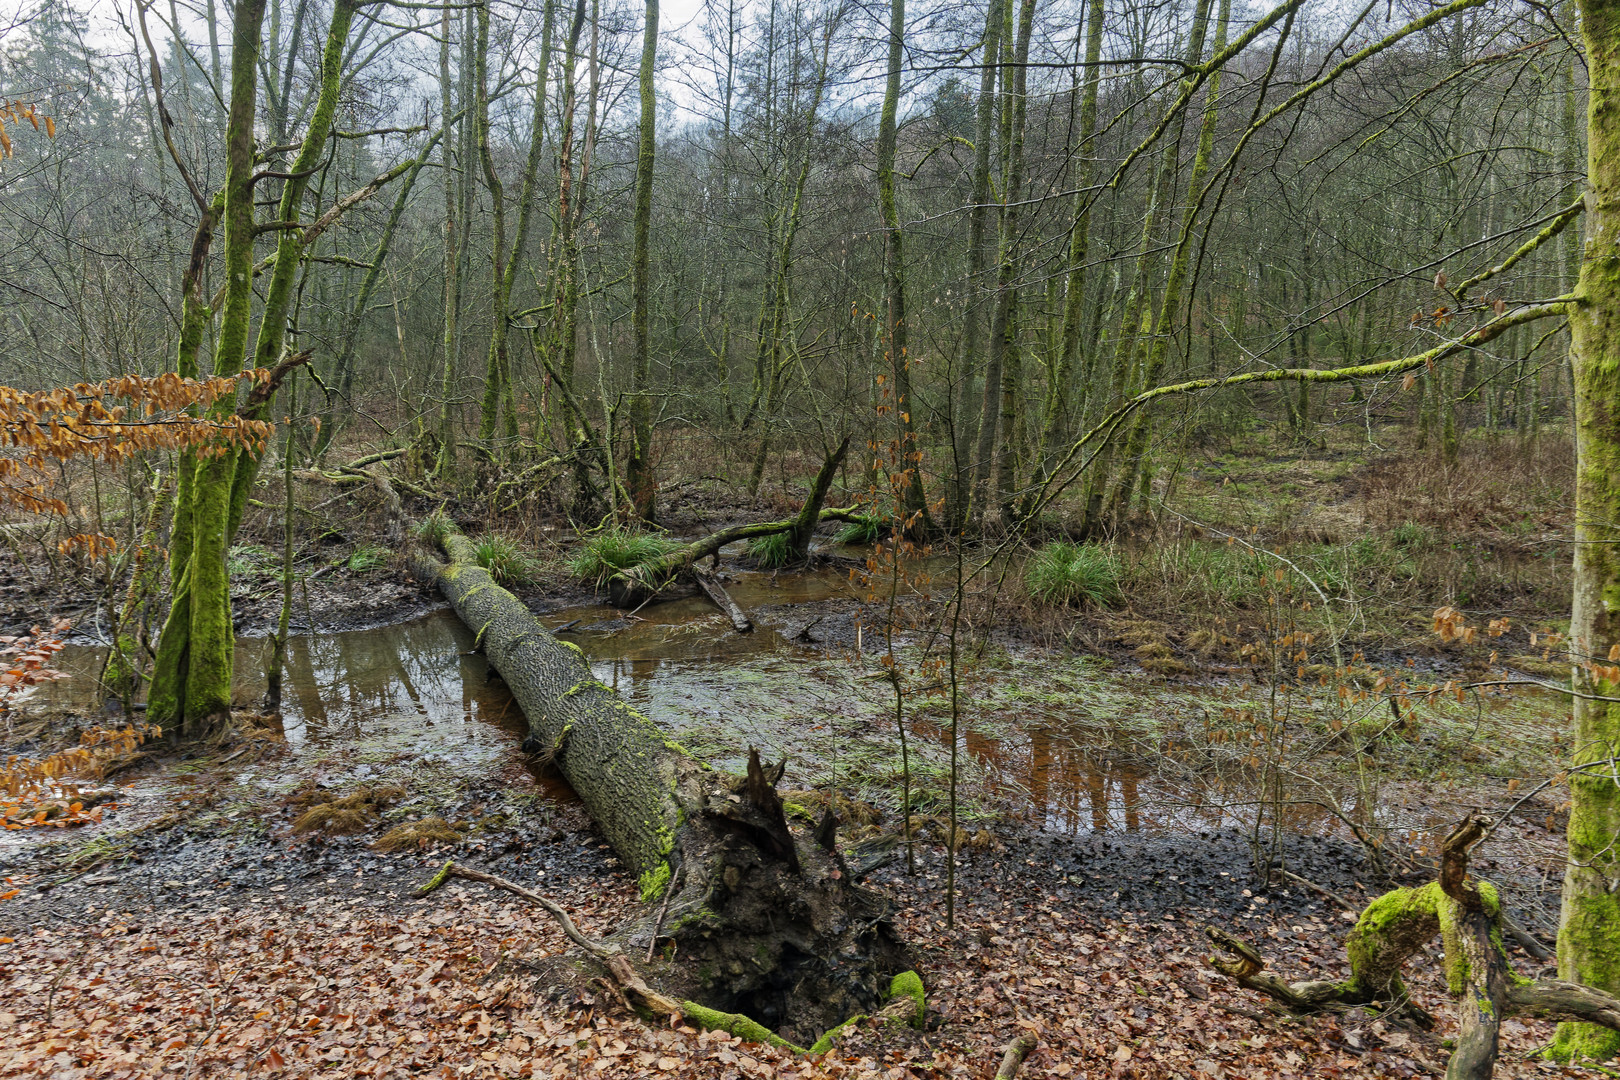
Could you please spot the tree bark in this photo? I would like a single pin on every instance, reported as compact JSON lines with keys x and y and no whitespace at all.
{"x":1589,"y":925}
{"x":639,"y":469}
{"x":765,"y":922}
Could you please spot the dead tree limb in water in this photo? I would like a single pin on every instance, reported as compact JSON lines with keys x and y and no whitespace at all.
{"x":765,"y":922}
{"x":1467,"y":914}
{"x":717,"y":594}
{"x":634,"y":585}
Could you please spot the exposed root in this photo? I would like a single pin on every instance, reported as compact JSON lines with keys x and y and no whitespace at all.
{"x":908,"y":1004}
{"x":1013,"y":1056}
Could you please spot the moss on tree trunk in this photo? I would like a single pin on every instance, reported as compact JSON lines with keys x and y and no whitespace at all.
{"x":1589,"y":928}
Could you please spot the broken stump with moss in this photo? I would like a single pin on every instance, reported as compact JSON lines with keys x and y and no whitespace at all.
{"x":1467,"y":915}
{"x":760,"y":920}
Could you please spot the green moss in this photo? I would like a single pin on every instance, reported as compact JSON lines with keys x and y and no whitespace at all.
{"x":1377,"y":925}
{"x":909,"y":984}
{"x":825,"y":1043}
{"x":654,"y":882}
{"x":734,"y":1024}
{"x":437,"y":879}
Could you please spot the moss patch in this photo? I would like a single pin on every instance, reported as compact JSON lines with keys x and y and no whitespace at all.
{"x":825,"y":1043}
{"x":909,"y":984}
{"x":735,"y":1024}
{"x":654,"y":882}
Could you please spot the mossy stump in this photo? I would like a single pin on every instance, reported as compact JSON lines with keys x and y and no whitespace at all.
{"x":763,"y":922}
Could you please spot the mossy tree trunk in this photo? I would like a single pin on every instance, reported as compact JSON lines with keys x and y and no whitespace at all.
{"x":191,"y":682}
{"x":973,"y":444}
{"x":191,"y":678}
{"x":804,"y":526}
{"x":639,"y":469}
{"x":1589,"y":928}
{"x":994,"y":504}
{"x":1170,"y":307}
{"x":1066,"y":397}
{"x":894,"y":258}
{"x":765,"y":922}
{"x":500,"y":393}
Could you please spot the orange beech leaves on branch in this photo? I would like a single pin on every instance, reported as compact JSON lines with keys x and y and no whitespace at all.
{"x":16,"y":112}
{"x":82,"y":421}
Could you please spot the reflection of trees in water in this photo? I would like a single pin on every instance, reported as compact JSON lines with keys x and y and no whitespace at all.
{"x":1068,"y":788}
{"x":340,"y":681}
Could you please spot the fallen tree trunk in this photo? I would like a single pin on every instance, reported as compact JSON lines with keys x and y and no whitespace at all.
{"x":722,"y":600}
{"x":1395,"y":927}
{"x":635,"y":585}
{"x":765,"y":922}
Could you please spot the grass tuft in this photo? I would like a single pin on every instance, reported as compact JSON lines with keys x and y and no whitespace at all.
{"x":504,"y":558}
{"x":610,"y":552}
{"x":770,"y":551}
{"x":434,"y":528}
{"x":353,"y":813}
{"x":368,"y":557}
{"x":1070,"y":573}
{"x":868,"y":530}
{"x":417,"y":835}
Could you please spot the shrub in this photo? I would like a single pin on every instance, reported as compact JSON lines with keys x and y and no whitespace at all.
{"x":504,"y":559}
{"x":1069,"y":573}
{"x":617,"y":549}
{"x":770,"y":551}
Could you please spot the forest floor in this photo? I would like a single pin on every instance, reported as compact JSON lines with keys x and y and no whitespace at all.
{"x":205,"y":936}
{"x":219,"y":956}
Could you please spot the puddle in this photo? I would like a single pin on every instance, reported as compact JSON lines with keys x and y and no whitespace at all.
{"x":1045,"y":737}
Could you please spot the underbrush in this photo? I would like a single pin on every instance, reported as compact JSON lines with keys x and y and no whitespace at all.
{"x":1361,"y":553}
{"x":615,"y":550}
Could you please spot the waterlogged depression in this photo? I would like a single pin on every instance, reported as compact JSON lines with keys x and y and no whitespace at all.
{"x":1068,"y":744}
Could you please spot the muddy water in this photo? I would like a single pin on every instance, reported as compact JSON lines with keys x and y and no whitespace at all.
{"x":418,"y":688}
{"x":1038,"y":733}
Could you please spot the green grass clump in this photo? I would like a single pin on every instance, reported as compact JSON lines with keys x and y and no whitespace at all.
{"x":434,"y":528}
{"x":610,"y":552}
{"x":868,"y":530}
{"x":770,"y":551}
{"x":504,"y":559}
{"x":1070,"y":573}
{"x":368,"y":557}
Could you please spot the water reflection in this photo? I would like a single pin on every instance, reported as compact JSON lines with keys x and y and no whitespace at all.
{"x":417,"y":688}
{"x":418,"y":678}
